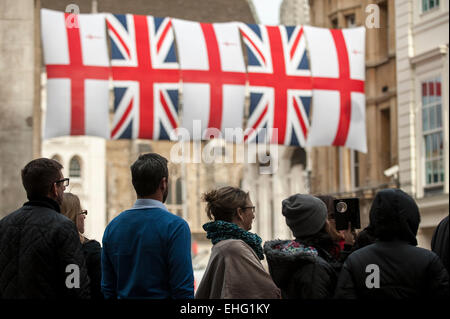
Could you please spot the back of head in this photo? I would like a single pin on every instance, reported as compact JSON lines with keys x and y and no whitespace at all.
{"x":305,"y":214}
{"x":222,"y":204}
{"x":71,"y":206}
{"x":147,"y":173}
{"x":329,"y":202}
{"x":39,"y":175}
{"x":394,"y":215}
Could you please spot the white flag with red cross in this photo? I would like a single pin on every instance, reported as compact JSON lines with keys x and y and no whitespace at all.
{"x":213,"y":76}
{"x":77,"y":64}
{"x":337,"y":59}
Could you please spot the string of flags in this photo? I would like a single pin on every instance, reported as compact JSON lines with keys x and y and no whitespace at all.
{"x":305,"y":84}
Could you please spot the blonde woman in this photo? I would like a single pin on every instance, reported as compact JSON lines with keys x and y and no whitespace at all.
{"x":71,"y":208}
{"x":234,"y":269}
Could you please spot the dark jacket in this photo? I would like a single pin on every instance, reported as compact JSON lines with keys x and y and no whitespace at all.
{"x":92,"y":253}
{"x":404,"y":271}
{"x":440,"y":241}
{"x":37,"y":243}
{"x":301,"y":272}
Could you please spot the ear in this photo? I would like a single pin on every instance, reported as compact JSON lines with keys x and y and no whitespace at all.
{"x":164,"y":184}
{"x":53,"y":191}
{"x":239,"y":213}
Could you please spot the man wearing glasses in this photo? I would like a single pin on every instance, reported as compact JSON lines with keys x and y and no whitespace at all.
{"x":38,"y":244}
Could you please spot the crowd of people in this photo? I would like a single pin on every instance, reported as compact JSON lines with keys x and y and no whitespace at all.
{"x":146,"y":250}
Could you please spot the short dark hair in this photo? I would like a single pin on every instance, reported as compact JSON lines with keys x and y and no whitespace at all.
{"x":147,"y":173}
{"x":39,"y":175}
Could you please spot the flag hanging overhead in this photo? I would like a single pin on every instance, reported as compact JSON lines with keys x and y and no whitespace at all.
{"x":77,"y":66}
{"x":338,"y":73}
{"x":146,"y":76}
{"x":280,"y":83}
{"x":213,"y":75}
{"x":285,"y":86}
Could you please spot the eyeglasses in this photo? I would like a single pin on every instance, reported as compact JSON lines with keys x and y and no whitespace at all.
{"x":83,"y":212}
{"x":252,"y":207}
{"x":64,"y":180}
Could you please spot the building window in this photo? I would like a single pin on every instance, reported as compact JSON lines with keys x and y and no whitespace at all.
{"x":350,"y":21}
{"x":175,"y":196}
{"x":355,"y":169}
{"x":432,"y":131}
{"x":428,"y":5}
{"x":179,"y":192}
{"x":74,"y":167}
{"x":334,"y":23}
{"x":299,"y":157}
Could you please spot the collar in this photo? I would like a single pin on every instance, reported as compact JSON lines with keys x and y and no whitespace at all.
{"x":43,"y":202}
{"x":143,"y":203}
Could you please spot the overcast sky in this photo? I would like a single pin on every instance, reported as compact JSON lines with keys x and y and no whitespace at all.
{"x":268,"y":11}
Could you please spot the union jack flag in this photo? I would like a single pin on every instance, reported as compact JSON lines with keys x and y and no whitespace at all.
{"x":280,"y":83}
{"x":146,"y":76}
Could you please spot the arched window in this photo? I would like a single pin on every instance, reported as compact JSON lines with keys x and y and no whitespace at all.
{"x":298,"y":157}
{"x":179,"y":192}
{"x":75,"y":167}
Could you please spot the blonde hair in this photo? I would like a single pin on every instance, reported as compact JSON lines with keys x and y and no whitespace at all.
{"x":71,"y":206}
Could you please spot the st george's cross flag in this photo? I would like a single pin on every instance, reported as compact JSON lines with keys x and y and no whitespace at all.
{"x":77,"y":66}
{"x":145,"y":75}
{"x":213,"y":76}
{"x":338,"y":73}
{"x":280,"y":84}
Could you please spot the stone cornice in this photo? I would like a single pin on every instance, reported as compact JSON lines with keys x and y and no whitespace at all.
{"x":438,"y":51}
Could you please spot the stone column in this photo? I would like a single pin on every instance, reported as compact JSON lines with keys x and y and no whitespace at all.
{"x":17,"y":85}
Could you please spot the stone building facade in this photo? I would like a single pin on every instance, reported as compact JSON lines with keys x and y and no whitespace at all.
{"x":19,"y":52}
{"x":294,"y":12}
{"x":340,"y":171}
{"x":422,"y":38}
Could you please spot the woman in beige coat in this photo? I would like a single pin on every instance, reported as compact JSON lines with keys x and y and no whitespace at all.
{"x":234,"y":269}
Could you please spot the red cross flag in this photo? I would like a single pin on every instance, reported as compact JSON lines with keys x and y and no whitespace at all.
{"x":77,"y":64}
{"x":338,"y":72}
{"x":213,"y":75}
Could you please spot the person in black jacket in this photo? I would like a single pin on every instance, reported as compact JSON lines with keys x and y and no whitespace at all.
{"x":40,"y":251}
{"x":71,"y":208}
{"x":393,"y":267}
{"x":440,"y":242}
{"x":304,"y":268}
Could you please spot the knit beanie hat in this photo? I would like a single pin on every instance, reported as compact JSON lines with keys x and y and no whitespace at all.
{"x":305,"y":214}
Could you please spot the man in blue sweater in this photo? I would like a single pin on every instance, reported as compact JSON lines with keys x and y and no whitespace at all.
{"x":147,"y":250}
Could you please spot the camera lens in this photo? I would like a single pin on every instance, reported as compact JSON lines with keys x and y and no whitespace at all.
{"x":341,"y":207}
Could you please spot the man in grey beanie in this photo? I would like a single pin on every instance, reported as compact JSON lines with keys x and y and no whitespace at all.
{"x":304,"y":268}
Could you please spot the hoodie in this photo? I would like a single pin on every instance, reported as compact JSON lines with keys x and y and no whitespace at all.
{"x":300,"y":271}
{"x":393,"y":267}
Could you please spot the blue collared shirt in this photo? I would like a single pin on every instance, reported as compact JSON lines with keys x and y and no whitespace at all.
{"x":144,"y":203}
{"x":147,"y":254}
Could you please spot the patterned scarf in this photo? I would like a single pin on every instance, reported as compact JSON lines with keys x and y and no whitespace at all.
{"x":221,"y":230}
